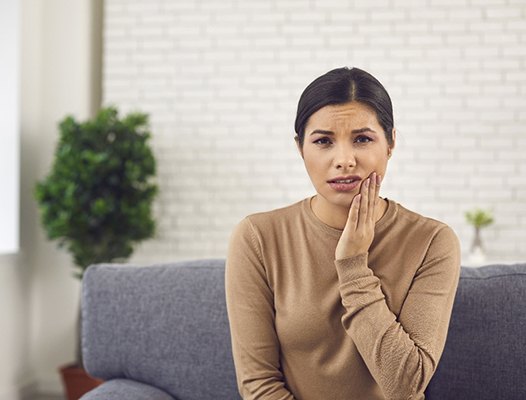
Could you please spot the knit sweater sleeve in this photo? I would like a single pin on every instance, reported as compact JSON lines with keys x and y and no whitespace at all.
{"x":402,"y":353}
{"x":250,"y":305}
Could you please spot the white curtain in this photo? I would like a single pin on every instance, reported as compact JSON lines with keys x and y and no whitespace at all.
{"x":9,"y":125}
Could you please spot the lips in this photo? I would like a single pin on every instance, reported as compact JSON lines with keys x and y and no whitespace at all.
{"x":345,"y":179}
{"x":345,"y":183}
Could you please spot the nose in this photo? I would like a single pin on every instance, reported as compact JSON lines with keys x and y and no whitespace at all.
{"x":345,"y":158}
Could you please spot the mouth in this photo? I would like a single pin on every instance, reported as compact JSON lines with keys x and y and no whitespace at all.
{"x":344,"y":184}
{"x":345,"y":179}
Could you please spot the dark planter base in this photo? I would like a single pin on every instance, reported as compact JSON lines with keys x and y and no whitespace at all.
{"x":77,"y":382}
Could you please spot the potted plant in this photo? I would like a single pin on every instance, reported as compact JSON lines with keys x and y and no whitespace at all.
{"x":97,"y":198}
{"x":478,"y":218}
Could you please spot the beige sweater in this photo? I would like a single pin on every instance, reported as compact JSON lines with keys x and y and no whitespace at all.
{"x":306,"y":326}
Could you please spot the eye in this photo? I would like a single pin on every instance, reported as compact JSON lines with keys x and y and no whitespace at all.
{"x":322,"y":141}
{"x":363,"y":139}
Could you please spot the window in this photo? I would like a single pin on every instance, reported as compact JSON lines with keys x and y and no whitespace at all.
{"x":9,"y":125}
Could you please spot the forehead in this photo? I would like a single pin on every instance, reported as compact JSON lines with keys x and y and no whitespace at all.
{"x":347,"y":114}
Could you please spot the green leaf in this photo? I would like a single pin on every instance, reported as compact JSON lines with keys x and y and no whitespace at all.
{"x":479,"y":218}
{"x":97,"y":199}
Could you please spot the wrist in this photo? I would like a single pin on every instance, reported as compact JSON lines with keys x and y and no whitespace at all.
{"x":349,"y":269}
{"x":340,"y":257}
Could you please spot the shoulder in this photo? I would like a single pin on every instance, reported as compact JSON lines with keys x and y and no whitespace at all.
{"x":421,"y":224}
{"x":272,"y":220}
{"x":254,"y":230}
{"x":439,"y":238}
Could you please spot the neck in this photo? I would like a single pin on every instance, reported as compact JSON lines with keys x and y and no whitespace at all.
{"x":336,"y":216}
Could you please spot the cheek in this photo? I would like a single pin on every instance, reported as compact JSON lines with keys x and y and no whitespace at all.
{"x":382,"y":167}
{"x":315,"y":166}
{"x":378,"y":157}
{"x":311,"y":166}
{"x":376,"y":163}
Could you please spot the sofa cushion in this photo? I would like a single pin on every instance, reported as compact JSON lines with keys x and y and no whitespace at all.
{"x":163,"y":324}
{"x":119,"y":389}
{"x":485,"y":352}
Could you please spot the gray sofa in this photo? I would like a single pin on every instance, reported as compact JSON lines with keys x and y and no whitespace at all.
{"x":161,"y":332}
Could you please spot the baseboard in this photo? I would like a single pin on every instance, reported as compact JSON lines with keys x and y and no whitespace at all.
{"x":25,"y":391}
{"x":28,"y":391}
{"x":9,"y":394}
{"x":49,"y":385}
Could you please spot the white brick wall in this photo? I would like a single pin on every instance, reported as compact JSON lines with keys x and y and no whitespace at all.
{"x":221,"y":80}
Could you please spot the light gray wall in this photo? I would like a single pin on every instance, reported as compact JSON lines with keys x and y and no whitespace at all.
{"x":38,"y":295}
{"x":14,"y":322}
{"x":61,"y":72}
{"x":222,"y":80}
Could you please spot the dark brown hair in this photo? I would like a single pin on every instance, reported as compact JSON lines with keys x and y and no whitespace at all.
{"x":343,"y":85}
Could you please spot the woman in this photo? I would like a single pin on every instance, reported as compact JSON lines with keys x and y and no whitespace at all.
{"x":343,"y":295}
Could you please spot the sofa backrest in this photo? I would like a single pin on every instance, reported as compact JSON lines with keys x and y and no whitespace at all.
{"x":485,"y":352}
{"x":165,"y":325}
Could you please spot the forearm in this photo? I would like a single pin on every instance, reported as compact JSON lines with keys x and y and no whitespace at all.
{"x":255,"y":356}
{"x":254,"y":351}
{"x":264,"y":389}
{"x":251,"y":314}
{"x":402,"y":354}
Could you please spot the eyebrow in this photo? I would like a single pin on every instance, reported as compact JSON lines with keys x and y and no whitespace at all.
{"x":354,"y":131}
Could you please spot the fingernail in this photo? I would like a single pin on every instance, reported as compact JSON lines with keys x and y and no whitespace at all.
{"x":367,"y":182}
{"x":378,"y":179}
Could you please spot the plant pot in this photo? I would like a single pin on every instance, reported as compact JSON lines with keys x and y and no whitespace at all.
{"x":77,"y":382}
{"x":477,"y":254}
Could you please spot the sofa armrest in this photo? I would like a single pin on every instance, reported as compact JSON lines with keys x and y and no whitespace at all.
{"x":118,"y":389}
{"x":165,"y":325}
{"x":484,"y":354}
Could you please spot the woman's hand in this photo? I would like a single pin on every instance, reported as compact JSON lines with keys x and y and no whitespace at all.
{"x":358,"y":233}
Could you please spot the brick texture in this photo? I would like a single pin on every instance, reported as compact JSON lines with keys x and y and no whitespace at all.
{"x":221,"y":81}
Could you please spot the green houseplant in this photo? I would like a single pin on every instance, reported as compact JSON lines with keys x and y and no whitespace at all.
{"x":97,"y":198}
{"x":478,"y":218}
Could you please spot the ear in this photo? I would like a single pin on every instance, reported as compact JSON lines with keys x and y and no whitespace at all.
{"x":297,"y":139}
{"x":391,"y":147}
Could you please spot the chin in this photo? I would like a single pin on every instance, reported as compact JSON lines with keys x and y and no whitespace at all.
{"x":343,"y":199}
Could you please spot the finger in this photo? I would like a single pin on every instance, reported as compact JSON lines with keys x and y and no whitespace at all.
{"x":353,"y":212}
{"x":378,"y":184}
{"x":372,"y":198}
{"x":364,"y":204}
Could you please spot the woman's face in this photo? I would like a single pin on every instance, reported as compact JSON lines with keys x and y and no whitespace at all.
{"x":344,"y":141}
